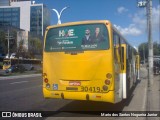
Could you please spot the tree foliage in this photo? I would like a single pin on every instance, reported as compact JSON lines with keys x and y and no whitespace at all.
{"x":143,"y":50}
{"x":3,"y":42}
{"x":35,"y":46}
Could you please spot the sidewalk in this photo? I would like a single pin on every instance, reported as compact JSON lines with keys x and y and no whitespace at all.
{"x":139,"y":94}
{"x":154,"y":95}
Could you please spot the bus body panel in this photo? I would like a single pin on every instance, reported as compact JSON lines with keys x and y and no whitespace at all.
{"x":86,"y":69}
{"x":104,"y":97}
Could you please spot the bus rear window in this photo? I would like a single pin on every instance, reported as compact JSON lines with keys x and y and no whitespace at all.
{"x":77,"y":38}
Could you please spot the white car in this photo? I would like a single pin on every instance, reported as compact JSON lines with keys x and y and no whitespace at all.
{"x":13,"y":55}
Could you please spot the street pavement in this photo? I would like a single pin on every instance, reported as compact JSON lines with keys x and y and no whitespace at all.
{"x":19,"y":76}
{"x":6,"y":76}
{"x":137,"y":102}
{"x":24,"y":93}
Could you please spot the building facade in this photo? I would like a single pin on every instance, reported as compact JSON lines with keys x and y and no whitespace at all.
{"x":10,"y":16}
{"x":4,"y":2}
{"x":30,"y":18}
{"x":25,"y":15}
{"x":39,"y":20}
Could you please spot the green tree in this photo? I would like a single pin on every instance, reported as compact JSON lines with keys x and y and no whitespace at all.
{"x":35,"y":46}
{"x":13,"y":42}
{"x":21,"y":51}
{"x":143,"y":50}
{"x":3,"y":42}
{"x":156,"y":48}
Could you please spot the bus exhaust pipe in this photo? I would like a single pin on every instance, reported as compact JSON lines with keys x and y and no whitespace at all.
{"x":62,"y":95}
{"x":87,"y":97}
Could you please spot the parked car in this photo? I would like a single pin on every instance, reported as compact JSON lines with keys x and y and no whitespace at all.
{"x":15,"y":68}
{"x":13,"y":55}
{"x":12,"y":69}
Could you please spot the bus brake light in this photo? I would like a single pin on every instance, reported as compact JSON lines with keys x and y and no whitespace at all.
{"x":46,"y":80}
{"x":107,"y":82}
{"x":108,"y":75}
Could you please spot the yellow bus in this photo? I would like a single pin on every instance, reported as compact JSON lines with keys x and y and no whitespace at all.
{"x":87,"y":60}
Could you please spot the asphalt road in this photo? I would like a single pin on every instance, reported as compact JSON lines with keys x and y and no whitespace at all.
{"x":25,"y":94}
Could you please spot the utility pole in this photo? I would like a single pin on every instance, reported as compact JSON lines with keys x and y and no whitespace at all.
{"x":148,"y":5}
{"x":144,"y":54}
{"x":8,"y":37}
{"x":150,"y":42}
{"x":8,"y":43}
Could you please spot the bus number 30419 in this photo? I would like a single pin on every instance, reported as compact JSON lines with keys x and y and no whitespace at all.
{"x":90,"y":89}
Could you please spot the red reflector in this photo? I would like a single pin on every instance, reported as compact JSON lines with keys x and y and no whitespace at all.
{"x":109,"y":76}
{"x":46,"y":80}
{"x":107,"y":82}
{"x":98,"y":96}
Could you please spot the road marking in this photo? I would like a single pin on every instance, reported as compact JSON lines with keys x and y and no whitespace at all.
{"x":145,"y":98}
{"x":19,"y":82}
{"x":21,"y":76}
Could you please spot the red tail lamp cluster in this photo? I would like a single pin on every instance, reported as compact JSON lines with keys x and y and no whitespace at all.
{"x":45,"y":78}
{"x":107,"y":81}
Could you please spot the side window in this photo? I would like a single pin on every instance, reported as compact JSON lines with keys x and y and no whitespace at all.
{"x":122,"y":49}
{"x":115,"y":41}
{"x":120,"y":52}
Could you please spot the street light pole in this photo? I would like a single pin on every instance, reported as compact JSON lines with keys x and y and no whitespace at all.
{"x":59,"y":14}
{"x":144,"y":54}
{"x":150,"y":43}
{"x":148,"y":5}
{"x":8,"y":42}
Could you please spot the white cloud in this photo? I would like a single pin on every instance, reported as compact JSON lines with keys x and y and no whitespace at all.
{"x":155,"y":17}
{"x":139,"y":22}
{"x":130,"y":30}
{"x":121,"y":10}
{"x":140,"y":19}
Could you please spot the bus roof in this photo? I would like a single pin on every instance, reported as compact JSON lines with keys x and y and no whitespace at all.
{"x":79,"y":23}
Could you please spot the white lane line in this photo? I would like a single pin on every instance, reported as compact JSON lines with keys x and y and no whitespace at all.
{"x":145,"y":98}
{"x":18,"y":82}
{"x":21,"y":76}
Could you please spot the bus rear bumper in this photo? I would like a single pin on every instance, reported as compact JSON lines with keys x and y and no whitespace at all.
{"x":105,"y":97}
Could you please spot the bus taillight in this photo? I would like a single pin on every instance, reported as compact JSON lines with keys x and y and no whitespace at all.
{"x":107,"y":82}
{"x":108,"y":75}
{"x":46,"y":80}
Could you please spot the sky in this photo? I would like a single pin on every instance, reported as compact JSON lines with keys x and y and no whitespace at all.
{"x":129,"y":19}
